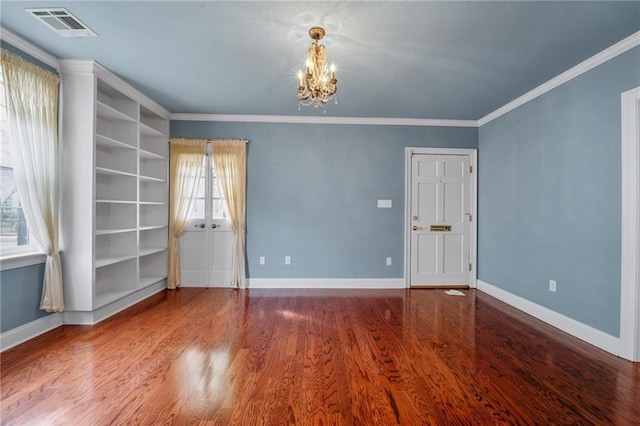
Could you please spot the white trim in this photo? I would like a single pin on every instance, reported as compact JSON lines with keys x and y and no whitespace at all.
{"x":622,"y":46}
{"x":42,"y":325}
{"x":100,"y":314}
{"x":81,"y":66}
{"x":29,"y":48}
{"x":22,"y":260}
{"x":373,"y":121}
{"x":473,"y":244}
{"x":335,"y":283}
{"x":205,"y":285}
{"x":630,"y":286}
{"x":582,"y":331}
{"x":28,"y":331}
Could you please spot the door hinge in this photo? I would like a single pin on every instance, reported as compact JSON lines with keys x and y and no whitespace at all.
{"x":470,"y":168}
{"x":470,"y":217}
{"x":470,"y":267}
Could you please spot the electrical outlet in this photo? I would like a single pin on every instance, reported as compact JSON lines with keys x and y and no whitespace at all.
{"x":262,"y":260}
{"x":552,"y":285}
{"x":287,"y":260}
{"x":388,"y":261}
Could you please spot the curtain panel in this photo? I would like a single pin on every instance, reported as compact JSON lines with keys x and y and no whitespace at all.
{"x":230,"y":159}
{"x":184,"y":172}
{"x":32,"y":112}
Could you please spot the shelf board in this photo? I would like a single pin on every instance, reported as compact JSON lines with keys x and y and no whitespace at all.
{"x":103,"y":299}
{"x":147,"y":280}
{"x":106,"y":141}
{"x":149,"y":228}
{"x":148,"y":155}
{"x":105,"y":171}
{"x":151,"y":179}
{"x":116,"y":201}
{"x":106,"y":261}
{"x":114,"y":231}
{"x":149,"y":251}
{"x":153,"y":203}
{"x":146,"y":130}
{"x":111,"y":114}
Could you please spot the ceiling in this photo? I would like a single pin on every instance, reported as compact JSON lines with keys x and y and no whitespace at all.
{"x":425,"y":59}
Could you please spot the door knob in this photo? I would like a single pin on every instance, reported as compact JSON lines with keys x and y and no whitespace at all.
{"x":214,"y":226}
{"x":201,"y":226}
{"x":417,"y":228}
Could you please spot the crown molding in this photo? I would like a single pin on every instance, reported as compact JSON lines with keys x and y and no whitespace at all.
{"x":28,"y":48}
{"x":82,"y":66}
{"x":293,"y":119}
{"x":598,"y":59}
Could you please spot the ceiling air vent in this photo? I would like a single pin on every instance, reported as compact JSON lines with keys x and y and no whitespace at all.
{"x":62,"y":21}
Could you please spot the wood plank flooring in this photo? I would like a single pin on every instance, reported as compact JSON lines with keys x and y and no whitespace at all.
{"x":316,"y":357}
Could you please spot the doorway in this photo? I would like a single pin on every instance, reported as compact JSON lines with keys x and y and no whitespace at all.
{"x":206,"y":245}
{"x":440,"y":209}
{"x":630,"y":253}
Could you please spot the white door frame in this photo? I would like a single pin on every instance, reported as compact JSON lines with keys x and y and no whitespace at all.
{"x":630,"y":286}
{"x":473,"y":162}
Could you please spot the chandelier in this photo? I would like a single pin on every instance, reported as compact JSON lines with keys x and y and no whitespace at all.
{"x":318,"y":85}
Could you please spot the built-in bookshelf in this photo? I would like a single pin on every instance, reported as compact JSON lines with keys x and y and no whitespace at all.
{"x":115,"y":199}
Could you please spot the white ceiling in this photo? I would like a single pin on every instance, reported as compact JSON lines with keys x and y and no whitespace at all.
{"x":424,"y":59}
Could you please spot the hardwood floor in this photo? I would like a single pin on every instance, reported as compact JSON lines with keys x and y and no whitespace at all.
{"x":316,"y":357}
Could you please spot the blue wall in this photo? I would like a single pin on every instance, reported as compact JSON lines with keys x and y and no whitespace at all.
{"x":312,"y":192}
{"x":20,"y":291}
{"x":550,"y":196}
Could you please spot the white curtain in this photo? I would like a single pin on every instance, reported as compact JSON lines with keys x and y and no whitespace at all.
{"x":230,"y":159}
{"x":32,"y":114}
{"x":184,"y":176}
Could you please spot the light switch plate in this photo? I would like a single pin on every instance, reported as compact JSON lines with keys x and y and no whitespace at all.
{"x":384,"y":204}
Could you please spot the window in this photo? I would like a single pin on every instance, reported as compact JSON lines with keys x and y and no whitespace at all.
{"x":14,"y":234}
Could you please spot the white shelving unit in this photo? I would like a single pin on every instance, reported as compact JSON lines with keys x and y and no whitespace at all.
{"x":115,"y":199}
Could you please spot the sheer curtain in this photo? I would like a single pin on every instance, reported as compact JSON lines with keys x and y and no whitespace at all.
{"x":184,"y":175}
{"x":230,"y":159}
{"x":32,"y":113}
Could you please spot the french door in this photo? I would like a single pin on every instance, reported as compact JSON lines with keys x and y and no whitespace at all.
{"x":206,"y":244}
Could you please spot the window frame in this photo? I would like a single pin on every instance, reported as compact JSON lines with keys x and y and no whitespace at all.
{"x":19,"y":256}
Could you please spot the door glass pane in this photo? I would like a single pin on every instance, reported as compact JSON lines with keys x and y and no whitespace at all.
{"x":217,"y":204}
{"x":198,"y":209}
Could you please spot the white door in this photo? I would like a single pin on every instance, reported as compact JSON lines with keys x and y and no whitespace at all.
{"x":207,"y":242}
{"x":440,"y":210}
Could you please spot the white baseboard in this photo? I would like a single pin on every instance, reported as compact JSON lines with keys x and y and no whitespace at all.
{"x":204,"y":285}
{"x":582,"y":331}
{"x":29,"y":330}
{"x":100,"y":314}
{"x":346,"y":283}
{"x":40,"y":326}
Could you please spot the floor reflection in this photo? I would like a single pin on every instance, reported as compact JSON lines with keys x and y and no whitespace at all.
{"x":204,"y":376}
